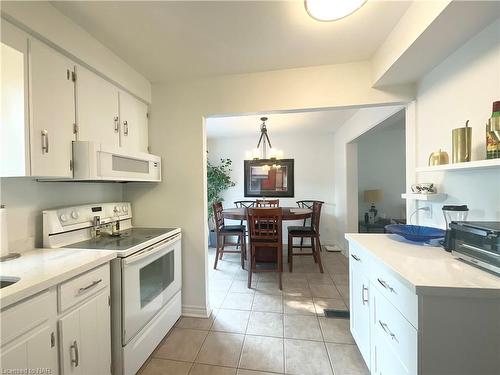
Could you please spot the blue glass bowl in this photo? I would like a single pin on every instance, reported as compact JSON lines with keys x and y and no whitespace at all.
{"x":416,"y":233}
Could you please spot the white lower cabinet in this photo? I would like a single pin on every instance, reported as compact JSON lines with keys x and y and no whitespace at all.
{"x":394,"y":339}
{"x":401,"y":331}
{"x":85,"y":337}
{"x":35,"y":350}
{"x":386,"y":339}
{"x":37,"y":336}
{"x":360,"y":304}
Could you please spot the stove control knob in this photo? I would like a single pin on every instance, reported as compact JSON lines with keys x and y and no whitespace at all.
{"x":116,"y":209}
{"x":75,"y":215}
{"x":63,"y":217}
{"x":125,"y":208}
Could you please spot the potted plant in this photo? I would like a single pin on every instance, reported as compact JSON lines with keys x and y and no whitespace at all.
{"x":218,"y":180}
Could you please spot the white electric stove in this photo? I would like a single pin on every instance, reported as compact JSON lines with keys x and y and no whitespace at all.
{"x":145,"y":276}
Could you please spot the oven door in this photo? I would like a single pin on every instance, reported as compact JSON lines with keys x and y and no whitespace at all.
{"x":150,"y":279}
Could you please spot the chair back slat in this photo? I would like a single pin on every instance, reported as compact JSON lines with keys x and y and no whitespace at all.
{"x":267,"y":203}
{"x":218,"y":218}
{"x":316,"y":214}
{"x":244,"y":204}
{"x":307,"y":203}
{"x":265,"y":223}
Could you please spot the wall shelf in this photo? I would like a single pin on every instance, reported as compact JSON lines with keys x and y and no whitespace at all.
{"x":471,"y":165}
{"x":437,"y":197}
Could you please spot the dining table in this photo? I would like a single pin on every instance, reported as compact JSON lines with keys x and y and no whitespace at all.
{"x":289,"y":214}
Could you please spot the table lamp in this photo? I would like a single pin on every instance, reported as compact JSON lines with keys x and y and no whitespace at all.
{"x":373,"y":196}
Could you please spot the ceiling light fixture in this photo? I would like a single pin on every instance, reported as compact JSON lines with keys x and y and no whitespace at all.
{"x":332,"y":10}
{"x":264,"y":149}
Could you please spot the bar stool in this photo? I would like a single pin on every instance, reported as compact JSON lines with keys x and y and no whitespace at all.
{"x":243,"y":204}
{"x":307,"y":204}
{"x":264,"y":229}
{"x":311,"y":232}
{"x":222,"y":231}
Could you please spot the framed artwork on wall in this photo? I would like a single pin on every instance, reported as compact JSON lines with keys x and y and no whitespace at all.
{"x":269,"y":178}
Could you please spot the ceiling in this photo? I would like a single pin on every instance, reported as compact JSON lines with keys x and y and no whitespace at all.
{"x":317,"y":122}
{"x":172,"y":40}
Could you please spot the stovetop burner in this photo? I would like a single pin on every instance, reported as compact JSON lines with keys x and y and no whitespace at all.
{"x":125,"y":240}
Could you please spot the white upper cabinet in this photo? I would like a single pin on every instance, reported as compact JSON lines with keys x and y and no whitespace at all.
{"x":49,"y":101}
{"x":14,"y":134}
{"x":97,"y":109}
{"x":134,"y":123}
{"x":52,"y":109}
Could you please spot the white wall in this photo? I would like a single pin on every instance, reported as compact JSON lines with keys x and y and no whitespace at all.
{"x":313,"y":171}
{"x":25,"y":199}
{"x":381,"y":165}
{"x":461,"y":88}
{"x":177,"y":134}
{"x":346,"y":164}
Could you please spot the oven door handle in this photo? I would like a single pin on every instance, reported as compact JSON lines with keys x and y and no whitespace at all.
{"x":151,"y":250}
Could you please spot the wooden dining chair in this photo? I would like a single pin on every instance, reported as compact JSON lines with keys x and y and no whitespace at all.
{"x":307,"y":204}
{"x":243,"y":204}
{"x":267,"y":203}
{"x":264,"y":230}
{"x":311,"y":232}
{"x":223,"y":231}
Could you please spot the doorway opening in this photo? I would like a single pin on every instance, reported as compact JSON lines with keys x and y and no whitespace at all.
{"x":381,"y":175}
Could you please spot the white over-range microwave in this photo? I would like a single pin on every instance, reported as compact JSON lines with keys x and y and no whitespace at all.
{"x":94,"y":161}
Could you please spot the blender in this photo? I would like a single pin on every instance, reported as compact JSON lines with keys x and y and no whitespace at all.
{"x":451,"y":214}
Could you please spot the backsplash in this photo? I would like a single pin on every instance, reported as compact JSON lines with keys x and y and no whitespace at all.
{"x":479,"y":190}
{"x":25,"y":199}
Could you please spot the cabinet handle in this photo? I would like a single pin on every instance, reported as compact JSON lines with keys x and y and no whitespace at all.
{"x":363,"y":294}
{"x":91,"y":285}
{"x":117,"y":124}
{"x":45,"y":141}
{"x":125,"y":128}
{"x":385,"y":285}
{"x":355,"y":258}
{"x":76,"y":359}
{"x":386,"y":329}
{"x":52,"y":339}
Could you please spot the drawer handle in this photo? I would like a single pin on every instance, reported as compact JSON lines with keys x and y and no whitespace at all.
{"x":363,"y":294}
{"x":386,"y":329}
{"x":355,"y":258}
{"x":91,"y":285}
{"x":76,"y":359}
{"x":386,"y":286}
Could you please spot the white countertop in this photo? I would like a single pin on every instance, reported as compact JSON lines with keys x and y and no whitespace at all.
{"x":427,"y":269}
{"x":40,"y":269}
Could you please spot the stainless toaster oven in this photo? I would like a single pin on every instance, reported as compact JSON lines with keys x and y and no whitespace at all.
{"x":477,"y":242}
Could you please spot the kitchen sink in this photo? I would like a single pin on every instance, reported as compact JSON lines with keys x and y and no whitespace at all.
{"x":6,"y":281}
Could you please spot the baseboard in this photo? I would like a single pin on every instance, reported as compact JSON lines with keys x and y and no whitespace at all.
{"x":196,"y":311}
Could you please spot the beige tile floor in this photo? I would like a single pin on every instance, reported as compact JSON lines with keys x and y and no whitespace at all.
{"x":265,"y":331}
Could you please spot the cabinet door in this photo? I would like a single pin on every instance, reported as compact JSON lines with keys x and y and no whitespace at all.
{"x":52,"y":111}
{"x":14,"y":129}
{"x":385,"y":361}
{"x":360,"y":308}
{"x":97,"y":109}
{"x":36,"y":350}
{"x":134,"y":123}
{"x":86,"y":337}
